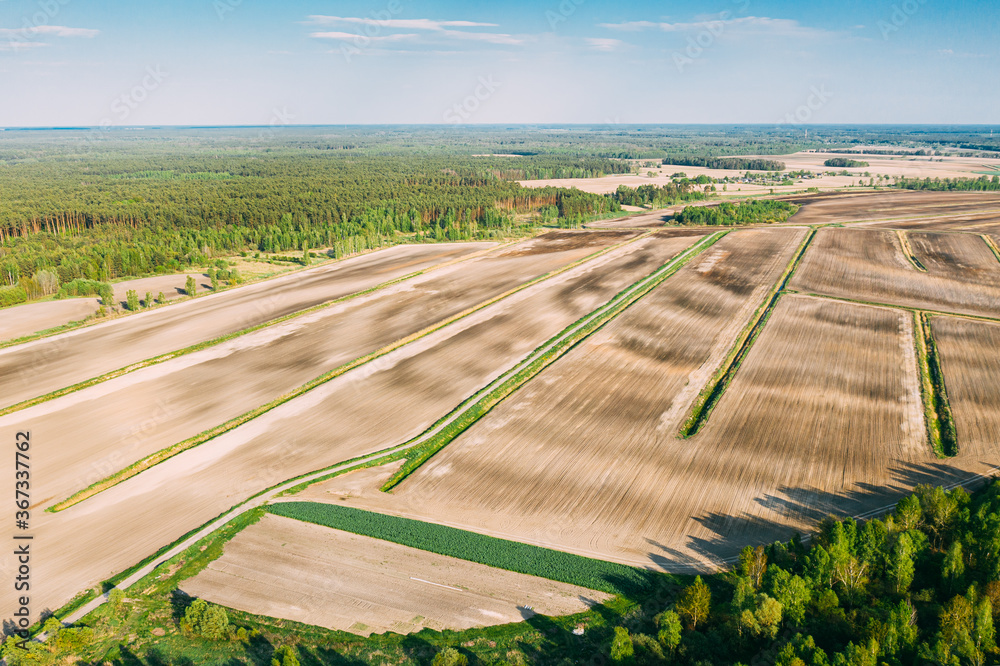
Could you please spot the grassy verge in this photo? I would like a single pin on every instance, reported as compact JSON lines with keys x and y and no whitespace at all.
{"x":164,"y":454}
{"x":940,"y":424}
{"x":716,"y":386}
{"x":904,"y":244}
{"x":439,"y":435}
{"x":990,"y":243}
{"x":499,"y":553}
{"x":908,"y":308}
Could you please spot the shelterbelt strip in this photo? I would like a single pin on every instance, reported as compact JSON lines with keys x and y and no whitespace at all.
{"x":710,"y":395}
{"x":164,"y":454}
{"x":424,"y":446}
{"x":162,"y":358}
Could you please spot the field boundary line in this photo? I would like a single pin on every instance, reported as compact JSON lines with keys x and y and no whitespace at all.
{"x":932,"y":216}
{"x":206,"y":344}
{"x":712,"y":392}
{"x":156,"y":458}
{"x":893,"y":306}
{"x":990,"y":243}
{"x":904,"y":245}
{"x":932,"y":422}
{"x":480,"y":403}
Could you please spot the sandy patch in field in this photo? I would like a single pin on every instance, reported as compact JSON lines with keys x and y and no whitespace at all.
{"x":293,"y":570}
{"x":906,"y":166}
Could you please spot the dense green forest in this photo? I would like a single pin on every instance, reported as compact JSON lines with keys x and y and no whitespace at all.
{"x":734,"y":163}
{"x":659,"y":196}
{"x":729,"y":214}
{"x":919,"y":587}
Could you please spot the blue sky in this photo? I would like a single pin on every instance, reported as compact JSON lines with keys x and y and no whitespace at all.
{"x":84,"y":62}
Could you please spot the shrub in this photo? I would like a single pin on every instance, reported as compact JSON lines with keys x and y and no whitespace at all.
{"x":190,"y":286}
{"x":81,"y":287}
{"x":132,"y":300}
{"x":450,"y":657}
{"x":12,"y":295}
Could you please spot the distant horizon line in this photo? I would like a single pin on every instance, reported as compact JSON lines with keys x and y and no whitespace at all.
{"x":120,"y":128}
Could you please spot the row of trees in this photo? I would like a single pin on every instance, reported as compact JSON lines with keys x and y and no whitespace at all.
{"x":736,"y":163}
{"x":983,"y":183}
{"x":659,"y":196}
{"x":844,"y":163}
{"x":729,"y":214}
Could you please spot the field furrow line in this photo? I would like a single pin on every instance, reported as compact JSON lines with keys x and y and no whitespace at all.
{"x":164,"y":454}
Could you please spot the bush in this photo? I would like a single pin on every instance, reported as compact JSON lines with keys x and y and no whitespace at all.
{"x":81,"y":287}
{"x":132,"y":300}
{"x":190,"y":286}
{"x":450,"y":657}
{"x":12,"y":295}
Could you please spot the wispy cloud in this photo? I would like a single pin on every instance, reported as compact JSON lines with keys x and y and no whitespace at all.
{"x":604,"y":44}
{"x":50,"y":30}
{"x":951,"y":53}
{"x":743,"y":24}
{"x":17,"y":46}
{"x":433,"y":31}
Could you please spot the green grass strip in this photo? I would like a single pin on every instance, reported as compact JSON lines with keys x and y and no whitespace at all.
{"x":990,"y":243}
{"x":164,"y":454}
{"x":453,"y":424}
{"x":896,"y":306}
{"x":947,"y":441}
{"x":904,"y":244}
{"x":927,"y":386}
{"x":522,"y":558}
{"x":709,"y":396}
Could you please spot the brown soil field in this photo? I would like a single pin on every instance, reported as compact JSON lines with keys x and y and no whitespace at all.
{"x":369,"y":409}
{"x":561,"y":454}
{"x":21,"y":320}
{"x":171,"y":285}
{"x":869,"y":264}
{"x":975,"y":223}
{"x":39,"y":367}
{"x":842,"y":208}
{"x":288,"y":569}
{"x":135,"y":415}
{"x":823,"y":417}
{"x":971,"y":368}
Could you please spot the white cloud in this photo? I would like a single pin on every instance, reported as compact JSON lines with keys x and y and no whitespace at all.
{"x":604,"y":44}
{"x":17,"y":46}
{"x":53,"y":30}
{"x":351,"y":36}
{"x":401,"y":24}
{"x":434,"y":30}
{"x":743,"y":24}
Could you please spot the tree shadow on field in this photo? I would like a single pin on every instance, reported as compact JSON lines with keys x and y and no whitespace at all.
{"x":321,"y":656}
{"x":801,"y":505}
{"x":179,"y":602}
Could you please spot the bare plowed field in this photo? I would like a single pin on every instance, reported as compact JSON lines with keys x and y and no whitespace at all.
{"x":974,"y":223}
{"x":869,"y":265}
{"x":971,"y":367}
{"x":371,"y":408}
{"x":138,"y":414}
{"x":825,"y":405}
{"x":288,"y":569}
{"x":831,"y":209}
{"x":22,"y":320}
{"x":37,"y":368}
